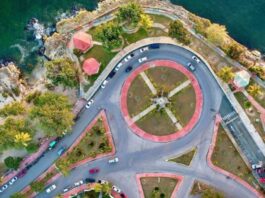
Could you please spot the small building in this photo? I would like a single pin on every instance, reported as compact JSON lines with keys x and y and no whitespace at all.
{"x":91,"y":66}
{"x":82,"y":41}
{"x":241,"y":79}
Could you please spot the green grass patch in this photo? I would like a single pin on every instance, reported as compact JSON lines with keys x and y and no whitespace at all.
{"x":226,"y":157}
{"x":204,"y":190}
{"x":132,"y":38}
{"x":161,"y":19}
{"x":155,"y":186}
{"x":185,"y":159}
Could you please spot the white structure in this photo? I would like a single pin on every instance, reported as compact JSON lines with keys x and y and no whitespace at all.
{"x":242,"y":78}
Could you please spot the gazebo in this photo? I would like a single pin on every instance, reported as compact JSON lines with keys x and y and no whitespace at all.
{"x":241,"y":79}
{"x":82,"y":41}
{"x":91,"y":66}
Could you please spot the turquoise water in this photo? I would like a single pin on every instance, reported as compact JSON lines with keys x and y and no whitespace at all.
{"x":244,"y":19}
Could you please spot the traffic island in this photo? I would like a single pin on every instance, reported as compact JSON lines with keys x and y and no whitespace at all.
{"x":185,"y":158}
{"x":161,"y":101}
{"x":158,"y":184}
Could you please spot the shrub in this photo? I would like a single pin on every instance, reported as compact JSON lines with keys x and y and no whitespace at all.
{"x":178,"y":31}
{"x":37,"y":186}
{"x":13,"y":162}
{"x":32,"y":148}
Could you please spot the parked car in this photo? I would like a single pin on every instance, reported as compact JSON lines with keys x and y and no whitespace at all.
{"x":4,"y":187}
{"x":191,"y":67}
{"x":262,"y":180}
{"x":90,"y":102}
{"x":118,"y":67}
{"x":116,"y":189}
{"x":140,"y":60}
{"x":112,"y":73}
{"x":102,"y":181}
{"x":66,"y":190}
{"x":22,"y":173}
{"x":256,"y":166}
{"x":90,"y":180}
{"x":144,"y":49}
{"x":94,"y":170}
{"x":114,"y":160}
{"x":129,"y":57}
{"x":154,"y":46}
{"x":128,"y":69}
{"x":13,"y":180}
{"x":52,"y":144}
{"x":103,"y":85}
{"x":61,"y":151}
{"x":196,"y":59}
{"x":123,"y":195}
{"x":51,"y":188}
{"x":78,"y":183}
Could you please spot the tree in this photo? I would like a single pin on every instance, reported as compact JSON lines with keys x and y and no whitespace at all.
{"x":18,"y":195}
{"x":217,"y":34}
{"x":13,"y":108}
{"x":178,"y":31}
{"x":235,"y":50}
{"x":63,"y":165}
{"x":258,"y":70}
{"x":23,"y":138}
{"x":62,"y":71}
{"x":226,"y":74}
{"x":32,"y":148}
{"x":146,"y":21}
{"x":110,"y":35}
{"x":53,"y":112}
{"x":105,"y":188}
{"x":200,"y":24}
{"x":130,"y":14}
{"x":13,"y":162}
{"x":254,"y":90}
{"x":37,"y":186}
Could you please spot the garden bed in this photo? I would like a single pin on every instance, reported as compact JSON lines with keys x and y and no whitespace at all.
{"x":204,"y":190}
{"x":185,"y":158}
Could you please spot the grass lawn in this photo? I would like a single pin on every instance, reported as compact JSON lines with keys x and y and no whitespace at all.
{"x":183,"y":105}
{"x":102,"y":55}
{"x":254,"y":115}
{"x":185,"y":158}
{"x":226,"y":157}
{"x":92,"y":194}
{"x":165,"y":186}
{"x":131,"y":38}
{"x":94,"y":142}
{"x":157,"y":123}
{"x":139,"y":96}
{"x":3,"y":169}
{"x":200,"y":188}
{"x":164,"y":78}
{"x":160,"y":19}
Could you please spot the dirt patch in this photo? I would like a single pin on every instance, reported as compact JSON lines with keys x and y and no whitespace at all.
{"x":185,"y":159}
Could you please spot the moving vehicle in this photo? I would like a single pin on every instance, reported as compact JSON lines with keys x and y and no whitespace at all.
{"x":78,"y":183}
{"x":61,"y":151}
{"x":140,"y":60}
{"x":94,"y":170}
{"x":103,"y":85}
{"x":118,"y":67}
{"x":191,"y":67}
{"x":114,"y":160}
{"x":196,"y":59}
{"x":144,"y":49}
{"x":13,"y":180}
{"x":128,"y":69}
{"x":52,"y":144}
{"x":154,"y":46}
{"x":90,"y":180}
{"x":116,"y":189}
{"x":90,"y":102}
{"x":51,"y":188}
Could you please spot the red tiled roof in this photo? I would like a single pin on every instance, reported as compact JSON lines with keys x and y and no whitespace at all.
{"x":91,"y":66}
{"x":82,"y":41}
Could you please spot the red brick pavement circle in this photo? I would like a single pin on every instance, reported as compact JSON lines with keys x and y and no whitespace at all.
{"x":179,"y":179}
{"x":178,"y":134}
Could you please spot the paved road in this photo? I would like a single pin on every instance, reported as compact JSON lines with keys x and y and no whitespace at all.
{"x":136,"y":154}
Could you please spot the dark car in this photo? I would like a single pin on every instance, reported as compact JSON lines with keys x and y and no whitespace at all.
{"x":128,"y":69}
{"x":112,"y":74}
{"x":90,"y":180}
{"x":22,"y":173}
{"x":61,"y":151}
{"x":154,"y":46}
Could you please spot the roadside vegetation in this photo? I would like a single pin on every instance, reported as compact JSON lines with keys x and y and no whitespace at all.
{"x":185,"y":158}
{"x":205,"y":191}
{"x":179,"y":32}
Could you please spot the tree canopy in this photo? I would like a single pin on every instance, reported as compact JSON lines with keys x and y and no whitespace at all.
{"x":12,"y":162}
{"x":146,"y":21}
{"x":254,"y":90}
{"x":62,"y":71}
{"x":130,"y":14}
{"x":37,"y":186}
{"x":53,"y":112}
{"x":217,"y":34}
{"x":178,"y":31}
{"x":226,"y":74}
{"x":13,"y":108}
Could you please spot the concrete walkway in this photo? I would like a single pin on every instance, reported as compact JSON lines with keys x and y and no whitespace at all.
{"x":144,"y":113}
{"x":173,"y":118}
{"x":179,"y":88}
{"x":148,"y":83}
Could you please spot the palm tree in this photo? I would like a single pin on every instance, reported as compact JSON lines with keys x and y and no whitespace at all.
{"x":254,"y":90}
{"x":23,"y":138}
{"x":226,"y":74}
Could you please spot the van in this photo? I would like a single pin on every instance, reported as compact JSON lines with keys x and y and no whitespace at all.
{"x":154,"y":46}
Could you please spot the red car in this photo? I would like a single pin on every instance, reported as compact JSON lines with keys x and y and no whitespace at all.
{"x":262,"y":180}
{"x":94,"y":170}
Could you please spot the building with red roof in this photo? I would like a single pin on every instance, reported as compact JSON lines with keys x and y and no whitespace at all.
{"x":82,"y":41}
{"x":91,"y":66}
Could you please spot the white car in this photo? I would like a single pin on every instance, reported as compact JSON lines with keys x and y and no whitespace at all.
{"x":128,"y":57}
{"x":78,"y":183}
{"x":65,"y":190}
{"x":116,"y":189}
{"x":51,"y":188}
{"x":90,"y":102}
{"x":102,"y":181}
{"x":196,"y":59}
{"x":118,"y":67}
{"x":140,"y":60}
{"x":144,"y":49}
{"x":4,"y":187}
{"x":256,"y":166}
{"x":103,"y":85}
{"x":12,"y":180}
{"x":114,"y":160}
{"x":191,"y":67}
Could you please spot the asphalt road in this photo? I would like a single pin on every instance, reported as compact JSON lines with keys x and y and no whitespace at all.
{"x":136,"y":154}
